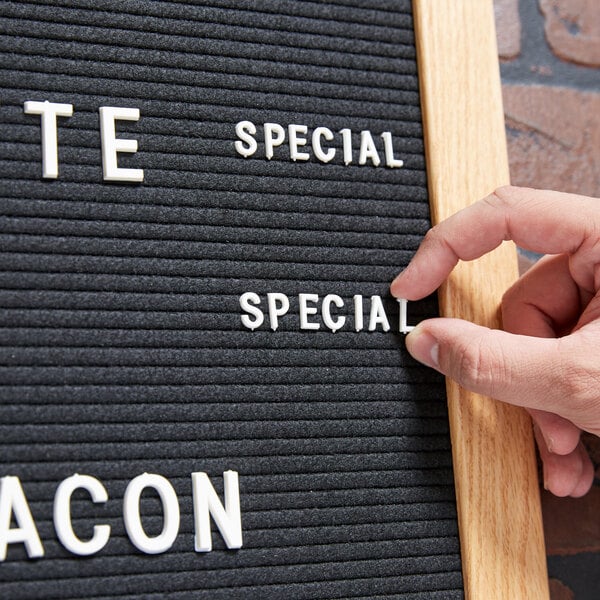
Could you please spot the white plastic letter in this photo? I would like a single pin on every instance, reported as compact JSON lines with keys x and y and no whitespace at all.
{"x":403,"y":327}
{"x":49,"y":111}
{"x":295,"y":141}
{"x":358,"y":312}
{"x":248,"y":300}
{"x":306,"y":310}
{"x":14,"y":502}
{"x":367,"y":149}
{"x":245,"y":130}
{"x":333,"y":324}
{"x":377,"y":315}
{"x":206,"y":503}
{"x":274,"y":136}
{"x":347,"y":145}
{"x":131,"y":513}
{"x":318,"y":133}
{"x":278,"y":305}
{"x":390,"y":161}
{"x":111,"y":144}
{"x":62,"y":515}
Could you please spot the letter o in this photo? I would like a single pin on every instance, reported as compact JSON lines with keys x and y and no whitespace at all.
{"x":131,"y":513}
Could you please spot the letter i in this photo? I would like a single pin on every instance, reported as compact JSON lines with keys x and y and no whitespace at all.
{"x":358,"y":312}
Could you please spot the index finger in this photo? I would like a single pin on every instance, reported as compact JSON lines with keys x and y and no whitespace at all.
{"x":542,"y":221}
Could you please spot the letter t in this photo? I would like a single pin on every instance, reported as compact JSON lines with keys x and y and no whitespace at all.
{"x":49,"y":111}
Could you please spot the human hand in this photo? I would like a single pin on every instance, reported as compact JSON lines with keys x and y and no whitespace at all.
{"x":548,"y":358}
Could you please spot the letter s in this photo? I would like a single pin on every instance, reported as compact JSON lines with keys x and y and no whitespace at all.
{"x":245,"y":130}
{"x":248,"y":301}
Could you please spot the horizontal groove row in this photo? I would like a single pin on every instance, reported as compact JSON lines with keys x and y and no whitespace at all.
{"x":264,"y":482}
{"x":25,"y":254}
{"x":428,"y":389}
{"x":193,"y":20}
{"x":412,"y":501}
{"x":115,"y":374}
{"x":387,"y":13}
{"x":40,"y":485}
{"x":195,"y":77}
{"x":198,"y":357}
{"x":165,"y":339}
{"x":155,"y":158}
{"x":299,"y":582}
{"x":88,"y":287}
{"x":235,"y":102}
{"x":294,"y":64}
{"x":182,"y":219}
{"x":202,"y":113}
{"x":194,"y":448}
{"x":421,"y":547}
{"x":171,"y":180}
{"x":146,"y":206}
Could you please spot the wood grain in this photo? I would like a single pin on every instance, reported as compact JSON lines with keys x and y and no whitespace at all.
{"x":497,"y":488}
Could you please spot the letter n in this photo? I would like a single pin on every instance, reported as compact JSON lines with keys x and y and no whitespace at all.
{"x":206,"y":504}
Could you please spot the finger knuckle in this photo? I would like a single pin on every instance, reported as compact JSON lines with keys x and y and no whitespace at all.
{"x":432,"y":237}
{"x":581,"y":383}
{"x":505,"y":196}
{"x":481,"y":367}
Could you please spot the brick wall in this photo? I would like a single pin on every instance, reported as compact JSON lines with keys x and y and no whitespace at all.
{"x":550,"y":66}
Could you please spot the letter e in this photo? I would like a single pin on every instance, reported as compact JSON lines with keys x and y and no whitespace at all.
{"x":111,"y":144}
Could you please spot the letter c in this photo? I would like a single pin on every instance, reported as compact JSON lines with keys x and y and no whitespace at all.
{"x":333,"y":324}
{"x":62,"y":515}
{"x":316,"y":144}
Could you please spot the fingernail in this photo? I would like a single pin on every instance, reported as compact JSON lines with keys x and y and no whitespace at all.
{"x":423,"y":347}
{"x":393,"y":286}
{"x":542,"y":437}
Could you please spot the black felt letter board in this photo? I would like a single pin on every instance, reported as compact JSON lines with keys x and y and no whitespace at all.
{"x":122,"y":345}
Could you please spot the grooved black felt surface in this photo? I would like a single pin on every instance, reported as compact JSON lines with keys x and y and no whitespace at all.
{"x":122,"y":348}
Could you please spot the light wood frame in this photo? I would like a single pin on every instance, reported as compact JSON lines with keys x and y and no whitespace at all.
{"x":497,"y":490}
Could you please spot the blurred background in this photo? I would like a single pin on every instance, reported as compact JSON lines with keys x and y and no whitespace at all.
{"x":550,"y":66}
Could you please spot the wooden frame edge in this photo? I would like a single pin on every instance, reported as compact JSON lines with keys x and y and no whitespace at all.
{"x":497,"y":489}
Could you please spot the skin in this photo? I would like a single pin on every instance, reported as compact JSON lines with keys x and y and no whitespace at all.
{"x":548,"y":358}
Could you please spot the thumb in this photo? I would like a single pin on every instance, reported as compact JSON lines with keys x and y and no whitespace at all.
{"x":518,"y":369}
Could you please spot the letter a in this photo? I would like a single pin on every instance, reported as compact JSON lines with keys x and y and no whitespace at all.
{"x":13,"y":502}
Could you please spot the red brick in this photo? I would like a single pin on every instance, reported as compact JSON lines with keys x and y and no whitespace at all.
{"x":508,"y":28}
{"x":573,"y":29}
{"x":553,"y":138}
{"x":592,"y":443}
{"x":571,"y":525}
{"x":559,"y":591}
